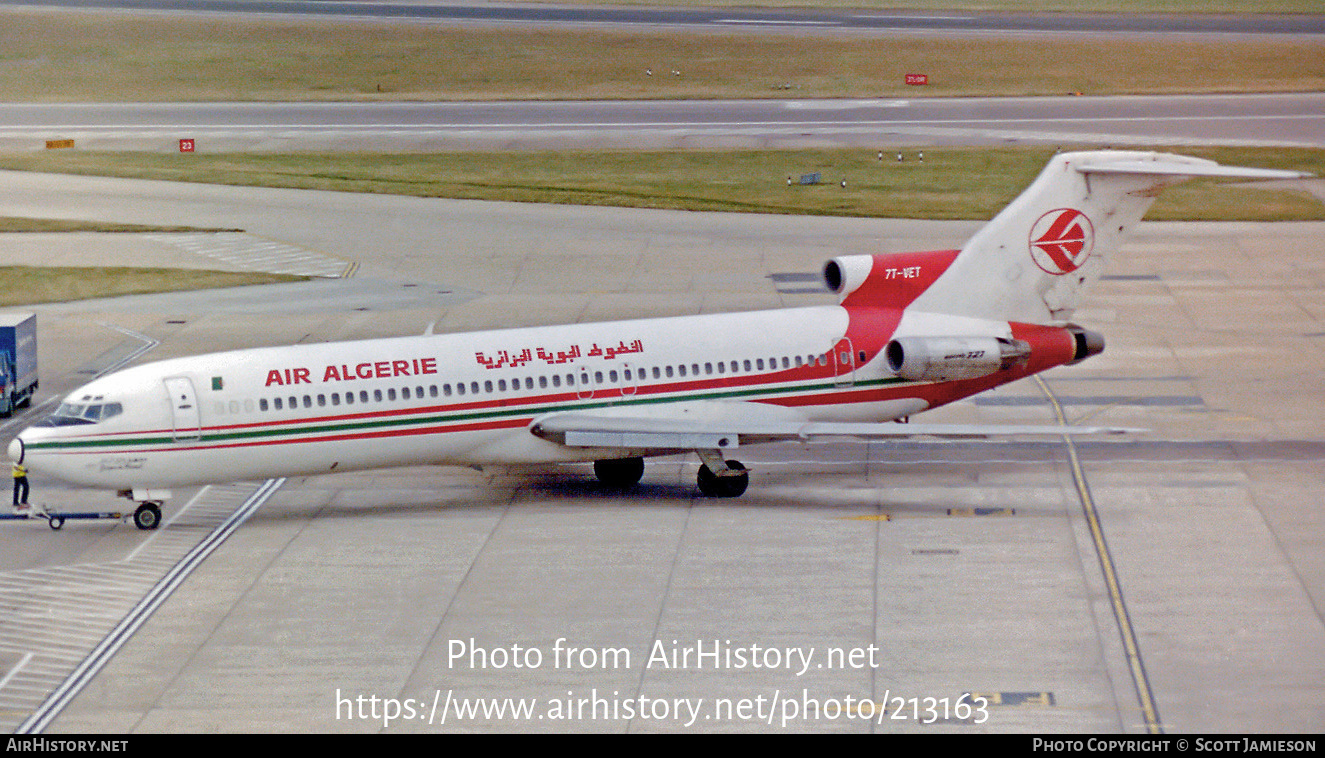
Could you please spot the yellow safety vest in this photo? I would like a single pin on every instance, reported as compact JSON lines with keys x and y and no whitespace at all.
{"x":19,"y":471}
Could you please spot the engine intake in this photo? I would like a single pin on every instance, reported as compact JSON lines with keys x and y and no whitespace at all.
{"x":845,"y":274}
{"x":934,"y":359}
{"x":889,"y":280}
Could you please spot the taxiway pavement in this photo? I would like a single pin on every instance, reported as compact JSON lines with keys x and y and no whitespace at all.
{"x":1267,"y":119}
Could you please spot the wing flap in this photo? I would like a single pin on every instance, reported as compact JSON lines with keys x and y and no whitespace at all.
{"x":657,"y":432}
{"x":650,"y":439}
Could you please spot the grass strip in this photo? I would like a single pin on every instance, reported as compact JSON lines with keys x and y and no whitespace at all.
{"x":951,"y":183}
{"x":38,"y":225}
{"x":29,"y":285}
{"x":77,"y":57}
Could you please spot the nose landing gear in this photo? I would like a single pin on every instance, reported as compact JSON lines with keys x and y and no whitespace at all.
{"x":148,"y":516}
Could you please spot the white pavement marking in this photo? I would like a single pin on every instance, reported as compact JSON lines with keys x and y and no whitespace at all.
{"x":66,"y":622}
{"x":245,"y":251}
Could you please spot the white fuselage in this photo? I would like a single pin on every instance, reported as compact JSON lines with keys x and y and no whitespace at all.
{"x":453,"y":398}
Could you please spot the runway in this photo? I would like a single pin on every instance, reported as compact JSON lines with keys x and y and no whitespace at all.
{"x":1171,"y":581}
{"x":1282,"y":120}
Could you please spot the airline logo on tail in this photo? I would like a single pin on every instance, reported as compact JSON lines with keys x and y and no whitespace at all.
{"x":1061,"y":240}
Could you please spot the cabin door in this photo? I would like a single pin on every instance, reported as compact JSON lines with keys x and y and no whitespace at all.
{"x":184,"y":408}
{"x":844,"y":363}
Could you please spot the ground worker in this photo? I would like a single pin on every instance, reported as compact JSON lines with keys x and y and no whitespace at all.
{"x":20,"y":487}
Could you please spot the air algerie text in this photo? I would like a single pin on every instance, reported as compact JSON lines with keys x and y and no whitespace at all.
{"x":346,"y":372}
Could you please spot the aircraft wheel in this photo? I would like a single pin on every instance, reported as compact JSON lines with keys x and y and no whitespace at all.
{"x":713,"y":485}
{"x":148,"y":516}
{"x":620,"y":473}
{"x":55,"y":522}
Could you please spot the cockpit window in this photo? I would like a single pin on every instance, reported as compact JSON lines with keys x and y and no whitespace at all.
{"x":70,"y":414}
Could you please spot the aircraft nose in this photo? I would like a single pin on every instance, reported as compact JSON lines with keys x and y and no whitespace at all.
{"x":16,"y":450}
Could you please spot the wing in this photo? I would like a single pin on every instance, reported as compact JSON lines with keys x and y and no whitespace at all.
{"x":717,"y":425}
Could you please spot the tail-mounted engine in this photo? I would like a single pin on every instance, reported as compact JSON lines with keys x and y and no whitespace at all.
{"x":889,"y":280}
{"x":937,"y":359}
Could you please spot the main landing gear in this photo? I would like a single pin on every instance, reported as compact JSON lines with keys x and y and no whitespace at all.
{"x":619,"y":473}
{"x":721,"y":478}
{"x":717,"y":477}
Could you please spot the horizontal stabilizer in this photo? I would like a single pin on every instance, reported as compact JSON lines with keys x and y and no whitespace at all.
{"x":1188,"y":167}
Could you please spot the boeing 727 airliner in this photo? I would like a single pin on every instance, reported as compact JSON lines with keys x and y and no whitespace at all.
{"x":912,"y":331}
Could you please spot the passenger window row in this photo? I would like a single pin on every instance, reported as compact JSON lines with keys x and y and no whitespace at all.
{"x":581,"y":378}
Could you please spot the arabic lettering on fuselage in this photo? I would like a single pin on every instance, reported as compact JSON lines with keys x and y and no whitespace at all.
{"x":512,"y":359}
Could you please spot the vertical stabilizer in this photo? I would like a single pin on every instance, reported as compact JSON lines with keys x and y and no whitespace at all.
{"x":1034,"y":260}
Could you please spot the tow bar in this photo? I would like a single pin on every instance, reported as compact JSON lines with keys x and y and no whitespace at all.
{"x":56,"y":520}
